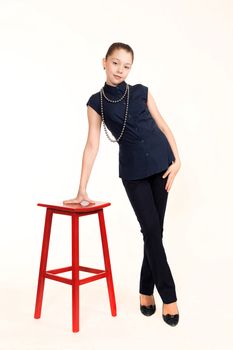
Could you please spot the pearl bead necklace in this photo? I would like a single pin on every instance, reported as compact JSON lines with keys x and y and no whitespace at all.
{"x":114,"y":101}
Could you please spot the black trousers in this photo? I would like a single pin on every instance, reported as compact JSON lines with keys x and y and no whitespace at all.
{"x":148,"y":198}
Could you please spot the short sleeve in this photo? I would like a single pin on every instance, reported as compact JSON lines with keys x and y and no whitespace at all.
{"x":144,"y":92}
{"x":94,"y":103}
{"x":141,"y":91}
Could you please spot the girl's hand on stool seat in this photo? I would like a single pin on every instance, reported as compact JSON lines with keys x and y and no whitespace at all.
{"x":81,"y":197}
{"x":171,"y":172}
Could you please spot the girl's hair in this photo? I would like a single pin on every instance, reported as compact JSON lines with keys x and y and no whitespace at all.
{"x":119,"y":45}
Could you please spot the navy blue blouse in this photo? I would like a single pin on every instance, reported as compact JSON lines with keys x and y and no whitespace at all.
{"x":143,"y":148}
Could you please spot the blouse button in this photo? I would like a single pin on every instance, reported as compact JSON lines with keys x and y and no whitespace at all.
{"x":142,"y":140}
{"x":147,"y":154}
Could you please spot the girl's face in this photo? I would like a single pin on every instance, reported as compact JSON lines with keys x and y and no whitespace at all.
{"x":117,"y":66}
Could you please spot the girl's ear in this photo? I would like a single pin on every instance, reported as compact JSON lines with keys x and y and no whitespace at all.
{"x":103,"y":62}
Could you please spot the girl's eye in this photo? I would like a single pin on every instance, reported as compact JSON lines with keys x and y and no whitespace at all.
{"x":115,"y":62}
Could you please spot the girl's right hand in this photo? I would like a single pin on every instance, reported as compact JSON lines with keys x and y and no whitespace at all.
{"x":82,"y":196}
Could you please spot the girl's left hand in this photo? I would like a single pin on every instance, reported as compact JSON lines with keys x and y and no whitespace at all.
{"x":171,"y":172}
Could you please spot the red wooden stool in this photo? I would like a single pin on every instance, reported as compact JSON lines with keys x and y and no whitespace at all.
{"x":75,"y":211}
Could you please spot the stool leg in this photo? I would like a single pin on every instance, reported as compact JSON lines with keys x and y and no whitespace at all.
{"x":107,"y":263}
{"x":75,"y":273}
{"x":43,"y":263}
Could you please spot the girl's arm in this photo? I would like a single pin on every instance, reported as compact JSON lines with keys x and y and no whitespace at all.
{"x":89,"y":155}
{"x":175,"y":166}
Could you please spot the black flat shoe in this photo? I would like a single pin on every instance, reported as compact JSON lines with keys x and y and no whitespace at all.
{"x":172,"y":320}
{"x":147,"y":310}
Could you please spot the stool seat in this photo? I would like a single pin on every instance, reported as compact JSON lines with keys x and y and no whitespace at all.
{"x":75,"y":211}
{"x":76,"y":207}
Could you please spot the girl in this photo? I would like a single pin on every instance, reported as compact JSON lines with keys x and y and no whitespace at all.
{"x":148,"y":164}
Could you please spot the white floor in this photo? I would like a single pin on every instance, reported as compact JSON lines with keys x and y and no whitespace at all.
{"x":205,"y":318}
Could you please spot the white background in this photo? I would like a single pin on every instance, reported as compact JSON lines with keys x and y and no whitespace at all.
{"x":50,"y":57}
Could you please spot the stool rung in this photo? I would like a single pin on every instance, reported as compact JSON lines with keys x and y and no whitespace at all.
{"x":90,"y":269}
{"x":69,"y":280}
{"x":51,"y":274}
{"x":60,"y":270}
{"x":58,"y":278}
{"x":92,"y":278}
{"x":81,"y":268}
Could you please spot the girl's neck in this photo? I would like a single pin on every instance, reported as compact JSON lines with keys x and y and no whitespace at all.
{"x":109,"y":83}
